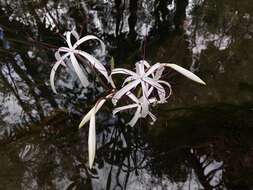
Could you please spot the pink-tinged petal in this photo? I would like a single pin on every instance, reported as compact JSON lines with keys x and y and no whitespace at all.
{"x":185,"y":72}
{"x":123,"y":71}
{"x":152,"y":69}
{"x":158,"y":73}
{"x":124,"y":90}
{"x":79,"y":71}
{"x":160,"y":90}
{"x":92,"y":139}
{"x":168,"y":85}
{"x":65,"y":50}
{"x":135,"y":118}
{"x":89,"y":37}
{"x":122,"y":108}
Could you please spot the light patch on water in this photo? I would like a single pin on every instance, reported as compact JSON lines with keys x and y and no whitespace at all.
{"x":217,"y":176}
{"x":214,"y":167}
{"x":12,"y":111}
{"x":144,"y":180}
{"x":198,"y":39}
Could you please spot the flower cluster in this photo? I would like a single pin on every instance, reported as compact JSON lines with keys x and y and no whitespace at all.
{"x":141,"y":88}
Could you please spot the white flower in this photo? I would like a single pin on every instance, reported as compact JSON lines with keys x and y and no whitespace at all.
{"x":70,"y":52}
{"x":147,"y":76}
{"x":139,"y":104}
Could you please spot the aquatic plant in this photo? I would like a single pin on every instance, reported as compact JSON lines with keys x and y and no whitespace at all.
{"x":141,"y":88}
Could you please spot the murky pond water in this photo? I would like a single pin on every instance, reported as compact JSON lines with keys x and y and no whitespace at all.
{"x":203,"y":136}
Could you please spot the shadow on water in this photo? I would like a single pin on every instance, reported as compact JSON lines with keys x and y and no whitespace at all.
{"x":203,"y":136}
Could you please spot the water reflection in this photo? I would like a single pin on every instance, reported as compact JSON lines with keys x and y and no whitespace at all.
{"x":176,"y":157}
{"x":203,"y":137}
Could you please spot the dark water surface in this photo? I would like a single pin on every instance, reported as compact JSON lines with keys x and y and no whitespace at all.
{"x":203,"y":136}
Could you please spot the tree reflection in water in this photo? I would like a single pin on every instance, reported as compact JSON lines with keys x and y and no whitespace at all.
{"x":202,"y":140}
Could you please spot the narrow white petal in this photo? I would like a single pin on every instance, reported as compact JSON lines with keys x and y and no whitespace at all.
{"x":124,"y":90}
{"x":152,"y":100}
{"x":86,"y":118}
{"x":160,"y":89}
{"x":146,"y":64}
{"x":75,"y":34}
{"x":123,"y":71}
{"x":52,"y":75}
{"x":158,"y":73}
{"x":65,"y":49}
{"x":122,"y":108}
{"x":79,"y":71}
{"x":99,"y":104}
{"x":112,"y":82}
{"x":144,"y":108}
{"x":185,"y":72}
{"x":152,"y":69}
{"x":133,"y":97}
{"x":168,"y":85}
{"x":128,"y":79}
{"x":95,"y":109}
{"x":144,"y":88}
{"x":92,"y":139}
{"x":68,"y":39}
{"x":57,"y":55}
{"x":95,"y":63}
{"x":54,"y":69}
{"x":135,"y":118}
{"x":152,"y":116}
{"x":139,"y":66}
{"x":145,"y":104}
{"x":89,"y":37}
{"x":150,"y":90}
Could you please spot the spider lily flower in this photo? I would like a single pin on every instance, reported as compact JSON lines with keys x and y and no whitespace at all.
{"x":148,"y":77}
{"x":70,"y":52}
{"x":139,"y":104}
